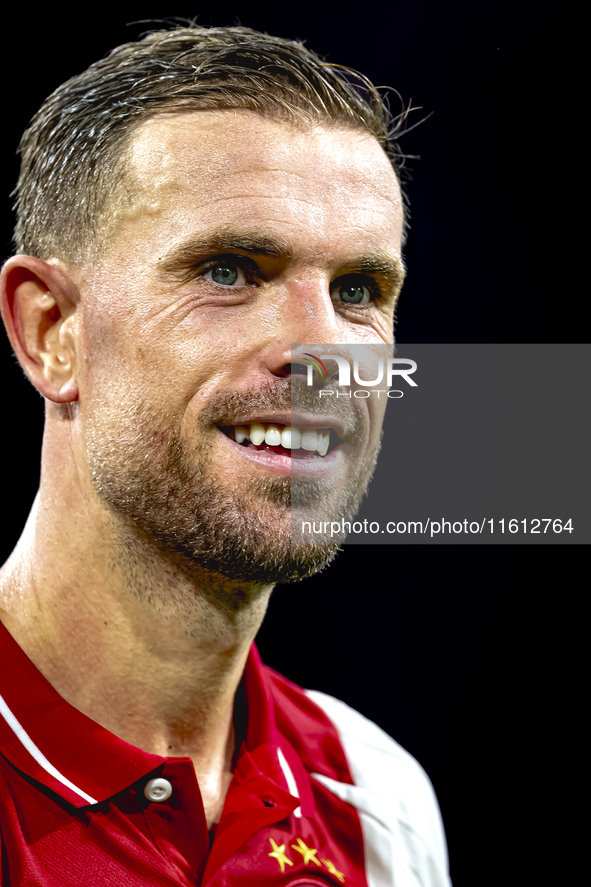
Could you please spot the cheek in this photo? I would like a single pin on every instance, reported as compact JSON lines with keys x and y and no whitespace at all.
{"x":377,"y":412}
{"x":101,"y":357}
{"x":384,"y":327}
{"x":114,"y":368}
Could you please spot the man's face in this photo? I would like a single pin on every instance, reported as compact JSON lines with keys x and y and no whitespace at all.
{"x":242,"y":236}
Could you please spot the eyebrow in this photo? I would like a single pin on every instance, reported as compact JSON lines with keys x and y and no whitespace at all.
{"x":390,"y":272}
{"x":186,"y":255}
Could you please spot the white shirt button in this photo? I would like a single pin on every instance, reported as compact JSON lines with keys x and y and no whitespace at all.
{"x":158,"y":790}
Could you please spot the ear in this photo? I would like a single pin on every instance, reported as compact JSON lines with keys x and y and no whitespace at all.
{"x":38,"y":301}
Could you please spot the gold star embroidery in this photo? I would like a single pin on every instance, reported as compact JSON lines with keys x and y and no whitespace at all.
{"x":308,"y":853}
{"x":334,"y":870}
{"x":279,"y":854}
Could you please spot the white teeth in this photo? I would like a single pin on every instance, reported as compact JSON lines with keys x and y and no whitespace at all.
{"x":291,"y":438}
{"x":310,"y":439}
{"x":273,"y":436}
{"x":257,"y":434}
{"x":323,"y":440}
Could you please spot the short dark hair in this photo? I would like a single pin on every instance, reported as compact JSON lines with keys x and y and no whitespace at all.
{"x":73,"y":153}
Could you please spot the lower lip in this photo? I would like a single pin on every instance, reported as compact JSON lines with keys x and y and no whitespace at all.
{"x":286,"y":465}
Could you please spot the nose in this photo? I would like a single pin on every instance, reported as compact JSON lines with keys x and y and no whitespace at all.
{"x":305,"y":314}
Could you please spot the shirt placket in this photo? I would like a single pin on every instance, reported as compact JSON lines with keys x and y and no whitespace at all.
{"x":173,"y":809}
{"x":254,"y":802}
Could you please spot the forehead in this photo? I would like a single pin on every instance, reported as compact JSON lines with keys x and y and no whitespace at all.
{"x":318,"y":182}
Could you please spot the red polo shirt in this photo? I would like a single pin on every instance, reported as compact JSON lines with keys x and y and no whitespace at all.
{"x":79,"y":807}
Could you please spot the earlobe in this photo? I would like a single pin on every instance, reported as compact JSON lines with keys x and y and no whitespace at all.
{"x":38,"y":301}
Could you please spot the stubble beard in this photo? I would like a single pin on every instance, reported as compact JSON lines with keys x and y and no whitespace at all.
{"x":166,"y":497}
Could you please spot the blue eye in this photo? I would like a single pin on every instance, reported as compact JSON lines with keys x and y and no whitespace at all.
{"x":225,"y":274}
{"x":353,"y":293}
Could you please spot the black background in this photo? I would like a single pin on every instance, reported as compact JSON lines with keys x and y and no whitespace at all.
{"x":466,"y":655}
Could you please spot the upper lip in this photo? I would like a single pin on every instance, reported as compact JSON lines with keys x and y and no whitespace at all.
{"x":297,"y":420}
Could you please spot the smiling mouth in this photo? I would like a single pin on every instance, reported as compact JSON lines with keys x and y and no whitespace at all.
{"x":285,"y":440}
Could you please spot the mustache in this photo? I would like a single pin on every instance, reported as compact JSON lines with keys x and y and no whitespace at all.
{"x":282,"y":395}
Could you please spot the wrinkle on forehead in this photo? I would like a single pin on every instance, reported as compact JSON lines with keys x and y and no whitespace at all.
{"x":201,"y":159}
{"x":205,"y":147}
